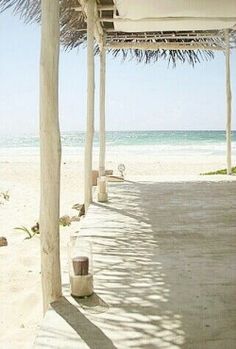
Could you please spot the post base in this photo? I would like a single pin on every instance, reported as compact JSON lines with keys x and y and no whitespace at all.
{"x":102,"y":197}
{"x":81,"y":285}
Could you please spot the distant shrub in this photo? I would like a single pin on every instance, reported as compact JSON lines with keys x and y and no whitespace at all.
{"x":220,"y":172}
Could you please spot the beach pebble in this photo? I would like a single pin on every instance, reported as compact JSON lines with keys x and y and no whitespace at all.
{"x":80,"y":208}
{"x":3,"y":241}
{"x":75,"y":219}
{"x":109,"y":172}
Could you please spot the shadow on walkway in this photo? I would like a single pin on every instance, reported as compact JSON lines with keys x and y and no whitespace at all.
{"x":164,"y":257}
{"x":164,"y":263}
{"x":89,"y":333}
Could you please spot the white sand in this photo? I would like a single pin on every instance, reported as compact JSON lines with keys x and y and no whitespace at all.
{"x":20,"y":288}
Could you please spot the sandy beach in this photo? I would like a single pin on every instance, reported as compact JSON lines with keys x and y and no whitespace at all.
{"x":169,"y":124}
{"x":21,"y":305}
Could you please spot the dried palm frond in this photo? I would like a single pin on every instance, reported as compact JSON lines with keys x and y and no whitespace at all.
{"x":73,"y":34}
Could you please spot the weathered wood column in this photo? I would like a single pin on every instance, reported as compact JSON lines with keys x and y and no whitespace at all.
{"x":102,"y":127}
{"x":50,"y":153}
{"x":88,"y":158}
{"x":229,"y":103}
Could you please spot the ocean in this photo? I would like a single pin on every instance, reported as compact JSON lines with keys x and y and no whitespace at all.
{"x":172,"y":143}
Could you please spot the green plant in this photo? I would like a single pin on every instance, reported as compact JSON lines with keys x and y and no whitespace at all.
{"x":34,"y":230}
{"x":220,"y":172}
{"x":65,"y":221}
{"x":30,"y":233}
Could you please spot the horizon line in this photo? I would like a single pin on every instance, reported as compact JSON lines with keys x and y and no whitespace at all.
{"x":132,"y":130}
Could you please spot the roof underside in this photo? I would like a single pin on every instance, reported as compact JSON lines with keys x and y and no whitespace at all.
{"x":185,"y":30}
{"x":177,"y":15}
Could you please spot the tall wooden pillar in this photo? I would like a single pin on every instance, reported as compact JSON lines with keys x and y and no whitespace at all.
{"x":229,"y":103}
{"x":88,"y":158}
{"x":102,"y":128}
{"x":50,"y":153}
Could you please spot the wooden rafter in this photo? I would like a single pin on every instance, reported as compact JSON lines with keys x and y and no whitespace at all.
{"x":168,"y":19}
{"x":99,"y":7}
{"x":153,"y":46}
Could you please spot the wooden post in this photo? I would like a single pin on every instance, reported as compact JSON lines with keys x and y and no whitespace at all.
{"x":229,"y":103}
{"x":50,"y":153}
{"x":90,"y":106}
{"x":102,"y":129}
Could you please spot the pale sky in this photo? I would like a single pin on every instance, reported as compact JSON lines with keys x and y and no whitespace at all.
{"x":139,"y":96}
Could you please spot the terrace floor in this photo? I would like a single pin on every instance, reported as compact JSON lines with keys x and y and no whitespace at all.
{"x":165,"y":271}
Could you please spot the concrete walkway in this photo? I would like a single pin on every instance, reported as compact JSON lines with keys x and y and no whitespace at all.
{"x":165,"y":271}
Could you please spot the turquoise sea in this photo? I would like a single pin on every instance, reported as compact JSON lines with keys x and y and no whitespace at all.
{"x":162,"y":142}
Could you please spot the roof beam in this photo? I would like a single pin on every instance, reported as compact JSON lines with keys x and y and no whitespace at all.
{"x":162,"y":37}
{"x":162,"y":45}
{"x":99,"y":7}
{"x":168,"y":19}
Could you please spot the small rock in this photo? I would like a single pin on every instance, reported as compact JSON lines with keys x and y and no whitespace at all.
{"x":77,"y":207}
{"x":80,"y":208}
{"x":82,"y":211}
{"x":75,"y":219}
{"x":109,"y":172}
{"x":3,"y":241}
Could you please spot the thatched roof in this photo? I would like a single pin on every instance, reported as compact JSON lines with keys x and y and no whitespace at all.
{"x":73,"y":33}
